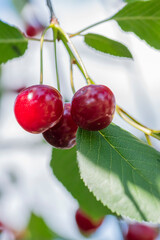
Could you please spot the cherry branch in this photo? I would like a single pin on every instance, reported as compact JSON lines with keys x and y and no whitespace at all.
{"x":38,"y":40}
{"x":52,"y":13}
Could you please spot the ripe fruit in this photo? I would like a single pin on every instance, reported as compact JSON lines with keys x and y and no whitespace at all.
{"x":140,"y":232}
{"x":93,"y":107}
{"x":63,"y":134}
{"x":38,"y":108}
{"x":85,"y":224}
{"x":32,"y":30}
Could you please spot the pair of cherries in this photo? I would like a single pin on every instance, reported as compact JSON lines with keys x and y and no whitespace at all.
{"x":39,"y":109}
{"x":136,"y":231}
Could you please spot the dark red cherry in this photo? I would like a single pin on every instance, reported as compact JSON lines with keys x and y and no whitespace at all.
{"x":63,"y":134}
{"x":141,"y":232}
{"x":85,"y":224}
{"x":38,"y":108}
{"x":32,"y":30}
{"x":93,"y":107}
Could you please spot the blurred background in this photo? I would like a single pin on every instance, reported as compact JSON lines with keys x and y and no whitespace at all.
{"x":26,"y":182}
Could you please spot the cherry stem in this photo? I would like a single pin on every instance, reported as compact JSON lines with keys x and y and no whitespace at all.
{"x":55,"y":55}
{"x":71,"y":75}
{"x":148,"y":140}
{"x":129,"y":119}
{"x":88,"y":27}
{"x":75,"y":53}
{"x":89,"y":80}
{"x":41,"y":54}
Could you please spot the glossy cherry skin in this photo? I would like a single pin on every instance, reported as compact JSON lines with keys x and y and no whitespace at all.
{"x":85,"y":224}
{"x":63,"y":134}
{"x":93,"y":107}
{"x":141,"y":232}
{"x":38,"y":108}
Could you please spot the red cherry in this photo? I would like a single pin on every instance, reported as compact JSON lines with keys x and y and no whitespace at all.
{"x":32,"y":30}
{"x":141,"y":232}
{"x":2,"y":227}
{"x":85,"y":224}
{"x":93,"y":107}
{"x":38,"y":108}
{"x":63,"y":134}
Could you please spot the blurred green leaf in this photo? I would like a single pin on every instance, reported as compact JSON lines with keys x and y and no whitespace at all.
{"x":65,"y":168}
{"x":131,"y":1}
{"x":122,"y":171}
{"x":19,"y":4}
{"x":106,"y":45}
{"x":1,"y":89}
{"x":38,"y":230}
{"x":142,"y":18}
{"x":12,"y":42}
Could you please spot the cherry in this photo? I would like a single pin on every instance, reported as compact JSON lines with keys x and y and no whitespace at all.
{"x":38,"y":108}
{"x":85,"y":224}
{"x":63,"y":134}
{"x":93,"y":107}
{"x":2,"y":227}
{"x":140,"y":232}
{"x":32,"y":30}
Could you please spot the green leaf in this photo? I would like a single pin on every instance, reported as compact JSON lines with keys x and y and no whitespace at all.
{"x":130,"y":1}
{"x":1,"y":88}
{"x":142,"y":18}
{"x":38,"y":230}
{"x":12,"y":43}
{"x":106,"y":45}
{"x":19,"y":5}
{"x":65,"y":168}
{"x":122,"y":171}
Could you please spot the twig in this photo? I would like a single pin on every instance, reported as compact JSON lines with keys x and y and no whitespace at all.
{"x":38,"y":39}
{"x":52,"y":13}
